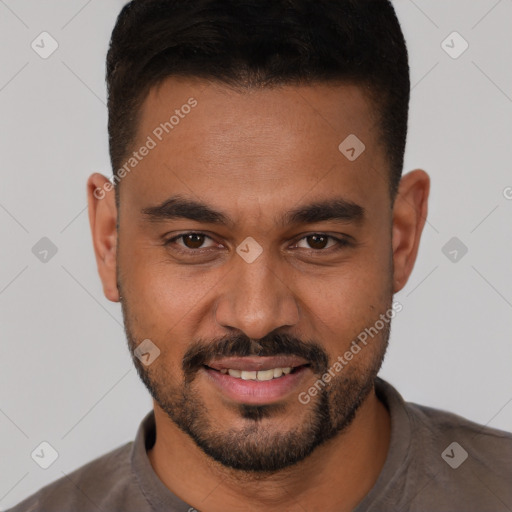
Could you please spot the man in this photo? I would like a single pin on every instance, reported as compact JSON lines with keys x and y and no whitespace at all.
{"x":257,"y":232}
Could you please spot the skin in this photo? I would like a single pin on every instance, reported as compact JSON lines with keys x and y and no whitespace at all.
{"x":254,"y":155}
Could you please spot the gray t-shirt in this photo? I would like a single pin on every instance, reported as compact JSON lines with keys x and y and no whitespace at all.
{"x":437,"y":462}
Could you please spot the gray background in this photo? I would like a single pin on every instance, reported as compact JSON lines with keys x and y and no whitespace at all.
{"x":65,"y":374}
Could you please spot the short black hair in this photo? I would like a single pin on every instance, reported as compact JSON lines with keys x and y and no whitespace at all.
{"x":259,"y":43}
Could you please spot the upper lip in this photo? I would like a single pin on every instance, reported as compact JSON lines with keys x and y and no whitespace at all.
{"x":256,"y":363}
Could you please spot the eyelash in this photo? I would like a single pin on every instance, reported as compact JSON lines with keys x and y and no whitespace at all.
{"x":341,"y":243}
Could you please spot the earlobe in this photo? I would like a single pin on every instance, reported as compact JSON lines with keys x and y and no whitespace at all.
{"x":409,"y":215}
{"x":103,"y":221}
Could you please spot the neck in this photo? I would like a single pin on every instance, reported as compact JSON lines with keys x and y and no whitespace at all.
{"x":335,"y":477}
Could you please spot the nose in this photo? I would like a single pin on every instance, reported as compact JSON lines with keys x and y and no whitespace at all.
{"x":255,"y":298}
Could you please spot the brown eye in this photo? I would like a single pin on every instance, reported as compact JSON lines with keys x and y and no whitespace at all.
{"x":317,"y":241}
{"x":193,"y":240}
{"x":189,"y":242}
{"x":322,"y":242}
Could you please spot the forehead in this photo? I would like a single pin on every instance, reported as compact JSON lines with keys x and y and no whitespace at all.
{"x":262,"y":145}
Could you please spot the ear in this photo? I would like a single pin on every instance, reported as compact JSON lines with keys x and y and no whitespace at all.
{"x":409,"y":215}
{"x":103,"y":219}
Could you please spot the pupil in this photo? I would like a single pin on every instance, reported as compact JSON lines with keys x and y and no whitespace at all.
{"x":322,"y":245}
{"x":195,"y":244}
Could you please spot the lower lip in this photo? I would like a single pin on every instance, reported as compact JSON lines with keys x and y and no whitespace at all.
{"x":257,"y":392}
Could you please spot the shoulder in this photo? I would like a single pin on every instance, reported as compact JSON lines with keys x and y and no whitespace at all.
{"x":106,"y":482}
{"x":429,"y":424}
{"x":481,"y":438}
{"x":462,"y":463}
{"x":442,"y":461}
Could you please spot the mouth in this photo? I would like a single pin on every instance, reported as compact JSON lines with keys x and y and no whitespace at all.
{"x":257,"y":380}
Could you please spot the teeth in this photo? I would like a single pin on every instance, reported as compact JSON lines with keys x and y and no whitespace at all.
{"x":265,"y":375}
{"x":261,"y":375}
{"x":277,"y":372}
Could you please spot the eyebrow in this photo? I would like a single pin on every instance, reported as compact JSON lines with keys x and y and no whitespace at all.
{"x":334,"y":209}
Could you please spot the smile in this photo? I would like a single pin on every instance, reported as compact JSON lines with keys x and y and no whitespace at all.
{"x":257,"y":380}
{"x":261,"y":375}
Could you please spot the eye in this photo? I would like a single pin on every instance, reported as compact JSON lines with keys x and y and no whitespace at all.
{"x":191,"y":241}
{"x":319,"y":241}
{"x":194,"y":242}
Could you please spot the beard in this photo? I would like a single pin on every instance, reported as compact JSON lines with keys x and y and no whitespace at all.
{"x":257,"y":446}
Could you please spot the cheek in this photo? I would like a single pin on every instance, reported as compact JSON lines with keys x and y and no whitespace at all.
{"x":347,"y":301}
{"x":354,"y":289}
{"x":165,"y":300}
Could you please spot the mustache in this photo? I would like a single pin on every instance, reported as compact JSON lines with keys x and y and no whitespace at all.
{"x":201,"y":352}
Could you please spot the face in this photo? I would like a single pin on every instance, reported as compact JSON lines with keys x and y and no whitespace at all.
{"x":253,"y":253}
